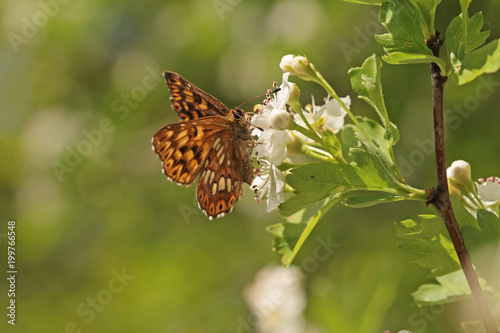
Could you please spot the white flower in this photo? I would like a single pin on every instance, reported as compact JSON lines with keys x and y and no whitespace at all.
{"x":335,"y":114}
{"x":271,"y":142}
{"x":330,"y":115}
{"x":280,"y":120}
{"x":277,"y":300}
{"x":269,"y":182}
{"x":489,"y":191}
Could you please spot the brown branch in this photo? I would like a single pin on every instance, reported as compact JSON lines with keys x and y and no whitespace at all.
{"x":440,"y":197}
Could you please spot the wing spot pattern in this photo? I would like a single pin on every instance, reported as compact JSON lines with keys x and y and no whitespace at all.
{"x":222,"y":184}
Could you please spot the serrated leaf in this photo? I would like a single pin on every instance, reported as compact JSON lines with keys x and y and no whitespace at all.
{"x":474,"y":37}
{"x":334,"y":176}
{"x":483,"y":60}
{"x":366,"y":81}
{"x":427,"y":244}
{"x":451,"y":287}
{"x":402,"y":21}
{"x":314,"y":182}
{"x":360,"y":199}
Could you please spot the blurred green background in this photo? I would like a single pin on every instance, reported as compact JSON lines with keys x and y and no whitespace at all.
{"x":86,"y":76}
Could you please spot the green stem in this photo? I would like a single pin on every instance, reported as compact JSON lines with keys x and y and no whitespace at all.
{"x":476,"y":200}
{"x":311,"y":134}
{"x":317,"y":153}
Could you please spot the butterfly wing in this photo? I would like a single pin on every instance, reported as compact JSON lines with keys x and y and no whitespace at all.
{"x":191,"y":102}
{"x":184,"y":147}
{"x":228,"y":165}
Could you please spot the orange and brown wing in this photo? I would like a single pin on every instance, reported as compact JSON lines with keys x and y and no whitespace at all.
{"x":221,"y":180}
{"x":191,"y":102}
{"x":184,"y":147}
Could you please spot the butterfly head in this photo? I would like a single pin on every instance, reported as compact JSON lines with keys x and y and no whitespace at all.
{"x":239,"y":115}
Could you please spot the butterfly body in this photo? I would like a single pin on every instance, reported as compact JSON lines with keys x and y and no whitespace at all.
{"x":211,"y":142}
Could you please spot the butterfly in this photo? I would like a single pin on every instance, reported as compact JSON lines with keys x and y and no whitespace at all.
{"x":211,"y":142}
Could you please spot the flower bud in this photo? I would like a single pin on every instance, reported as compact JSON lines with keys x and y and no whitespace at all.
{"x":280,"y":119}
{"x":460,"y":171}
{"x":459,"y":176}
{"x":286,"y":63}
{"x":300,"y":65}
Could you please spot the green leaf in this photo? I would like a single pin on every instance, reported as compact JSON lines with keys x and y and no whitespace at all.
{"x":339,"y":176}
{"x":359,"y":199}
{"x":370,"y":170}
{"x":402,"y":21}
{"x":377,"y":133}
{"x":287,"y":236}
{"x":452,"y":287}
{"x":366,"y":81}
{"x":303,"y":200}
{"x":428,"y":12}
{"x":382,"y":162}
{"x":483,"y":244}
{"x":293,"y":234}
{"x":366,"y":2}
{"x":427,"y":244}
{"x":483,"y":60}
{"x":474,"y":37}
{"x":401,"y":58}
{"x":332,"y":141}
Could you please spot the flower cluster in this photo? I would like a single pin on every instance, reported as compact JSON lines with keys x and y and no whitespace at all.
{"x":482,"y":194}
{"x":272,"y":120}
{"x":277,"y":127}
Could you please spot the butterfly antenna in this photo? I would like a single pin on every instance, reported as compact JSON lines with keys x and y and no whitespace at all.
{"x":254,"y":98}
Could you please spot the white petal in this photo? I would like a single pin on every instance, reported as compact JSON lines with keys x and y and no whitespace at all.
{"x":489,"y":191}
